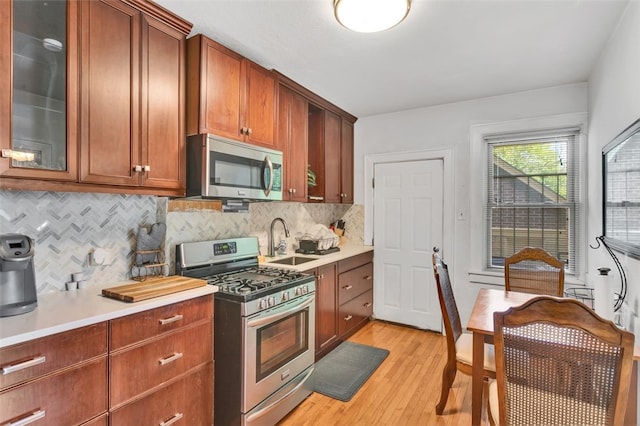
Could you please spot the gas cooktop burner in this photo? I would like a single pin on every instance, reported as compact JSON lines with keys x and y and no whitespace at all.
{"x":253,"y":280}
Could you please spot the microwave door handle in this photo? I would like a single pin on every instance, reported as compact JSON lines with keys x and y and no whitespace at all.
{"x":269,"y":164}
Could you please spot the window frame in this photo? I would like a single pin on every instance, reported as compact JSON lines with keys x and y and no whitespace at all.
{"x":479,"y":272}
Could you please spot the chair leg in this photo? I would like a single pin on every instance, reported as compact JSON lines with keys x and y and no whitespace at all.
{"x":448,"y":376}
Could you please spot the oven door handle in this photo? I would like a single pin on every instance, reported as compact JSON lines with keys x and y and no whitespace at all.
{"x":257,"y":322}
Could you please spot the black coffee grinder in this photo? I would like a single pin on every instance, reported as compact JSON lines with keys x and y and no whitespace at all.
{"x":17,"y":275}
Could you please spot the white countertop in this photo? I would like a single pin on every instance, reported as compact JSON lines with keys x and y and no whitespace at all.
{"x":66,"y":310}
{"x":347,"y":250}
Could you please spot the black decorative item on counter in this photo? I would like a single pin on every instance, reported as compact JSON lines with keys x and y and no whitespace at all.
{"x":149,"y":259}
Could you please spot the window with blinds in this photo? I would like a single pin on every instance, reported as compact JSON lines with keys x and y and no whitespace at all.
{"x":532,"y":195}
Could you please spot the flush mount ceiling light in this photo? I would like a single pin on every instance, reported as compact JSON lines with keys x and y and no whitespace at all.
{"x":369,"y":16}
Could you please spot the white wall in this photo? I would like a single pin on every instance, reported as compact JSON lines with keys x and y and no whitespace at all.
{"x":614,"y":103}
{"x":447,"y":127}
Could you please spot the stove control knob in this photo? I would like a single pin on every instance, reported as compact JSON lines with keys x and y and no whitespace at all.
{"x":272,"y":301}
{"x":285,"y":295}
{"x":306,"y":289}
{"x":264,"y":304}
{"x":297,"y":291}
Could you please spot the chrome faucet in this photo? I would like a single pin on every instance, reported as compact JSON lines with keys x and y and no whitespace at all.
{"x":270,"y":249}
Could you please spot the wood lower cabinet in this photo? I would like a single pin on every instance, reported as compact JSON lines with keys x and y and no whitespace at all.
{"x":161,"y":364}
{"x":157,"y":322}
{"x":344,"y":300}
{"x":61,"y":379}
{"x":187,"y":401}
{"x":292,"y":140}
{"x":155,"y":366}
{"x":326,"y":309}
{"x":355,"y":293}
{"x":229,"y":95}
{"x":64,"y":398}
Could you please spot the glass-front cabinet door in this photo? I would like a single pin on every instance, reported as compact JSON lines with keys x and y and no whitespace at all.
{"x":37,"y":140}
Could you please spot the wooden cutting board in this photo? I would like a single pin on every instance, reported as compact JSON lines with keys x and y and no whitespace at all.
{"x":152,"y":287}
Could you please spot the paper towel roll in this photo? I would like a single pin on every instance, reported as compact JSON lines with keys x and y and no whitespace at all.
{"x":603,"y":295}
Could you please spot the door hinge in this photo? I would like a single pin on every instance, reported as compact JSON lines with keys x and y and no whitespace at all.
{"x":373,"y":182}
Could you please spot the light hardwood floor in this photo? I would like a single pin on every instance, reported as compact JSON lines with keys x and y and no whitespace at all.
{"x":404,"y":390}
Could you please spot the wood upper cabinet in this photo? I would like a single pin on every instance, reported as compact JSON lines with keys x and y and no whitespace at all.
{"x":110,"y":70}
{"x":163,"y":98}
{"x":132,"y":79}
{"x":330,"y":156}
{"x":292,"y":141}
{"x":228,"y":95}
{"x":346,"y":162}
{"x":38,"y":90}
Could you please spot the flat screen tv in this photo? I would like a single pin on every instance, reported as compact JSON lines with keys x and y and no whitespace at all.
{"x":621,"y":191}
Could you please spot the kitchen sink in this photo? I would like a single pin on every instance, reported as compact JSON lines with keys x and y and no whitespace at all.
{"x":293,"y":260}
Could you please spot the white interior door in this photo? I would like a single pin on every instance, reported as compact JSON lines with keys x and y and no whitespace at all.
{"x":408,"y":222}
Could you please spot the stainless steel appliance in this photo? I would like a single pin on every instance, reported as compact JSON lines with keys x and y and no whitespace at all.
{"x":17,"y":275}
{"x":264,"y":330}
{"x":222,"y":168}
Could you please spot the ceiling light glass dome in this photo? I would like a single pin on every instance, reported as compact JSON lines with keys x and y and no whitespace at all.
{"x":369,"y":16}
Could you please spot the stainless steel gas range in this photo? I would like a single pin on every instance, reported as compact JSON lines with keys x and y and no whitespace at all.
{"x":264,"y":330}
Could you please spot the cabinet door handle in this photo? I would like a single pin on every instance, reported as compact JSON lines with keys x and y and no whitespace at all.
{"x":147,"y":168}
{"x":176,"y":356}
{"x":249,"y":131}
{"x":137,"y":168}
{"x":367,"y":305}
{"x":35,"y":415}
{"x":243,"y":130}
{"x":172,"y":420}
{"x":348,"y":318}
{"x":174,"y":318}
{"x":21,"y":366}
{"x":347,"y":287}
{"x":367,"y":277}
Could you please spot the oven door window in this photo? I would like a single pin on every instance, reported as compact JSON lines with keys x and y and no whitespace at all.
{"x":280,"y":342}
{"x":240,"y":172}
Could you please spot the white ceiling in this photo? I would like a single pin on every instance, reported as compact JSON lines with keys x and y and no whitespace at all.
{"x":445,"y":51}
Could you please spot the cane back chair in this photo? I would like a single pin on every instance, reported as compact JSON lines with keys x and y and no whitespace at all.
{"x":533,"y":270}
{"x":559,"y":363}
{"x":459,"y":344}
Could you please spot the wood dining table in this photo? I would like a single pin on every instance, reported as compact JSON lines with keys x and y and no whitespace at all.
{"x":481,"y":325}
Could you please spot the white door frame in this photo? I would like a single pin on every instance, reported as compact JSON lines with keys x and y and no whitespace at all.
{"x":448,"y":220}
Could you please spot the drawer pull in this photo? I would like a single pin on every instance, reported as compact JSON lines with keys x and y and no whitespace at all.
{"x":367,"y":277}
{"x":347,"y":287}
{"x":176,"y":356}
{"x":172,"y":420}
{"x":36,"y":415}
{"x":348,"y":318}
{"x":21,"y":366}
{"x":174,"y":318}
{"x":367,"y":305}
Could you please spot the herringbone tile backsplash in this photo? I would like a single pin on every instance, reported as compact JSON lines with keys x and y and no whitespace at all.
{"x":68,"y":226}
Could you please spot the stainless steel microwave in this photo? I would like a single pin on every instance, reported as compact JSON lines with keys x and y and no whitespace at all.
{"x":223,"y":168}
